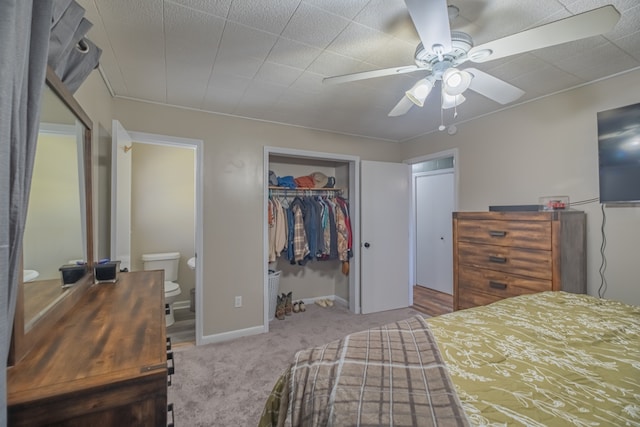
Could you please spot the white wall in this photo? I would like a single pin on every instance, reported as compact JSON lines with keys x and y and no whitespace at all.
{"x":233,"y":151}
{"x":545,"y":148}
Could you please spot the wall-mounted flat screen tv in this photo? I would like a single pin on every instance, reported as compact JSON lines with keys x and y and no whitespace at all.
{"x":619,"y":154}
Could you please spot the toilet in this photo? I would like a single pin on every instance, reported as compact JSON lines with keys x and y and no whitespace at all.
{"x":169,"y":262}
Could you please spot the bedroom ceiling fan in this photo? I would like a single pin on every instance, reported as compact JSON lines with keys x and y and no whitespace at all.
{"x":441,"y":51}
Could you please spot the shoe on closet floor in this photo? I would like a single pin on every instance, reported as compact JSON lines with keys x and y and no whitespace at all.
{"x":296,"y":307}
{"x":301,"y":306}
{"x":288,"y":304}
{"x":329,"y":302}
{"x":322,"y":303}
{"x":280,"y":308}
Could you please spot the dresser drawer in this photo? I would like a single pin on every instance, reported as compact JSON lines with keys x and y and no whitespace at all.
{"x":499,"y":284}
{"x":523,"y":262}
{"x":522,"y":234}
{"x":468,"y":298}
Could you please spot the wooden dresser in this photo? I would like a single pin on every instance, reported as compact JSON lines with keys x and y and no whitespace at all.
{"x":104,"y":364}
{"x":503,"y":254}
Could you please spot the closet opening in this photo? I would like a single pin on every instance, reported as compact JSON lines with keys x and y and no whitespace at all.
{"x":321,"y":189}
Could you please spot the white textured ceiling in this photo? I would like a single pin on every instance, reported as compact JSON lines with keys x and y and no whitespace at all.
{"x":265,"y":59}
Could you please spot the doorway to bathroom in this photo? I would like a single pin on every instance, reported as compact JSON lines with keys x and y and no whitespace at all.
{"x":156,"y":208}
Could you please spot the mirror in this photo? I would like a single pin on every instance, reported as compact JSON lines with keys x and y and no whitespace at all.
{"x":58,"y":228}
{"x":56,"y":208}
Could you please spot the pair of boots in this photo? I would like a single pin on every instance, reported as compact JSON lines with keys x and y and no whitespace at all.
{"x":284,"y":307}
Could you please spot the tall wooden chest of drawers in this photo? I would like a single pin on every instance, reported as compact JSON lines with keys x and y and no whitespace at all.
{"x":502,"y":254}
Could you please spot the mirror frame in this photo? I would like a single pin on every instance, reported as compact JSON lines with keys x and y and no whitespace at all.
{"x":22,"y":341}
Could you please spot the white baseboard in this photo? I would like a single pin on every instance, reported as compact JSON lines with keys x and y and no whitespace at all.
{"x":226,"y":336}
{"x":181,"y":305}
{"x":341,"y":301}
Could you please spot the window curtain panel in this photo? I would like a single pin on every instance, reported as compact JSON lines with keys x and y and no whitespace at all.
{"x":71,"y":55}
{"x":24,"y":40}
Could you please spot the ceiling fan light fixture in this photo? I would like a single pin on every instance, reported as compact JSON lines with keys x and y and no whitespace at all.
{"x":419,"y":92}
{"x":450,"y":101}
{"x":455,"y":81}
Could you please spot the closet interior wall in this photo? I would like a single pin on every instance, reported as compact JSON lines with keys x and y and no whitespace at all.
{"x":316,"y":279}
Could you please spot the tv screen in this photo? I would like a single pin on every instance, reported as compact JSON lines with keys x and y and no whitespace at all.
{"x":619,"y":154}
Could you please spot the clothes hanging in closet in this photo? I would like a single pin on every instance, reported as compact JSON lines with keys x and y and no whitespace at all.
{"x":308,"y":228}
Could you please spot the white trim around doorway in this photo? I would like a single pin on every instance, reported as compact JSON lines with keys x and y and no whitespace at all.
{"x":354,"y":211}
{"x":414,"y":160}
{"x":198,"y":146}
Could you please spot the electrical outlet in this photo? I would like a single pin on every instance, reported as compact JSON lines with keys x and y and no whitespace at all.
{"x":238,"y":302}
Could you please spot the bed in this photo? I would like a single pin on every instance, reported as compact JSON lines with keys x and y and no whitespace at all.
{"x":551,"y":358}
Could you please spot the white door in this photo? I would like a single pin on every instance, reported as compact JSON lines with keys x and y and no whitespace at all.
{"x":434,"y":198}
{"x":385,"y":199}
{"x":121,"y":195}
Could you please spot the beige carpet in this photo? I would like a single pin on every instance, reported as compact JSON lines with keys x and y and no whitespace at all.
{"x":226,"y":384}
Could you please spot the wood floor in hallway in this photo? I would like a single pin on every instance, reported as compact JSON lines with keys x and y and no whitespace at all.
{"x":431,"y":302}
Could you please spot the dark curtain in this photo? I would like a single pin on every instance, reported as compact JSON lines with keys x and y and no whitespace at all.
{"x":24,"y":40}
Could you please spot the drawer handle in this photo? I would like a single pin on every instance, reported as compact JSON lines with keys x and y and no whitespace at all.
{"x":170,"y":367}
{"x":168,"y":344}
{"x":497,"y":285}
{"x":494,"y":233}
{"x":170,"y":411}
{"x":498,"y":259}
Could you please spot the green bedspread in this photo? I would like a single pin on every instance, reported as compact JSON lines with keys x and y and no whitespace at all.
{"x":547,"y":359}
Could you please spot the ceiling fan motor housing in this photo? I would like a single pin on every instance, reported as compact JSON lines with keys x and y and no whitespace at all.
{"x":461,"y":44}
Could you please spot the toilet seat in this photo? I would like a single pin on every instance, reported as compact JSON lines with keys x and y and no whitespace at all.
{"x":171,"y":289}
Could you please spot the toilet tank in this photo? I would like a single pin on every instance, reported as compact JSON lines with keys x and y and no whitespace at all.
{"x":167,"y":261}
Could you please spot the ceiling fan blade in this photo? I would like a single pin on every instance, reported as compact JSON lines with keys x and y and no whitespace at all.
{"x":431,"y":19}
{"x":492,"y":87}
{"x":371,"y":74}
{"x":587,"y":24}
{"x":401,"y":107}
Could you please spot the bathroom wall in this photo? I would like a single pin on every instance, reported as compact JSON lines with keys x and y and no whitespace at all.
{"x":163,"y":206}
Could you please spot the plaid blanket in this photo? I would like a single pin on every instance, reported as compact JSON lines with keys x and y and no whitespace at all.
{"x":393,"y":375}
